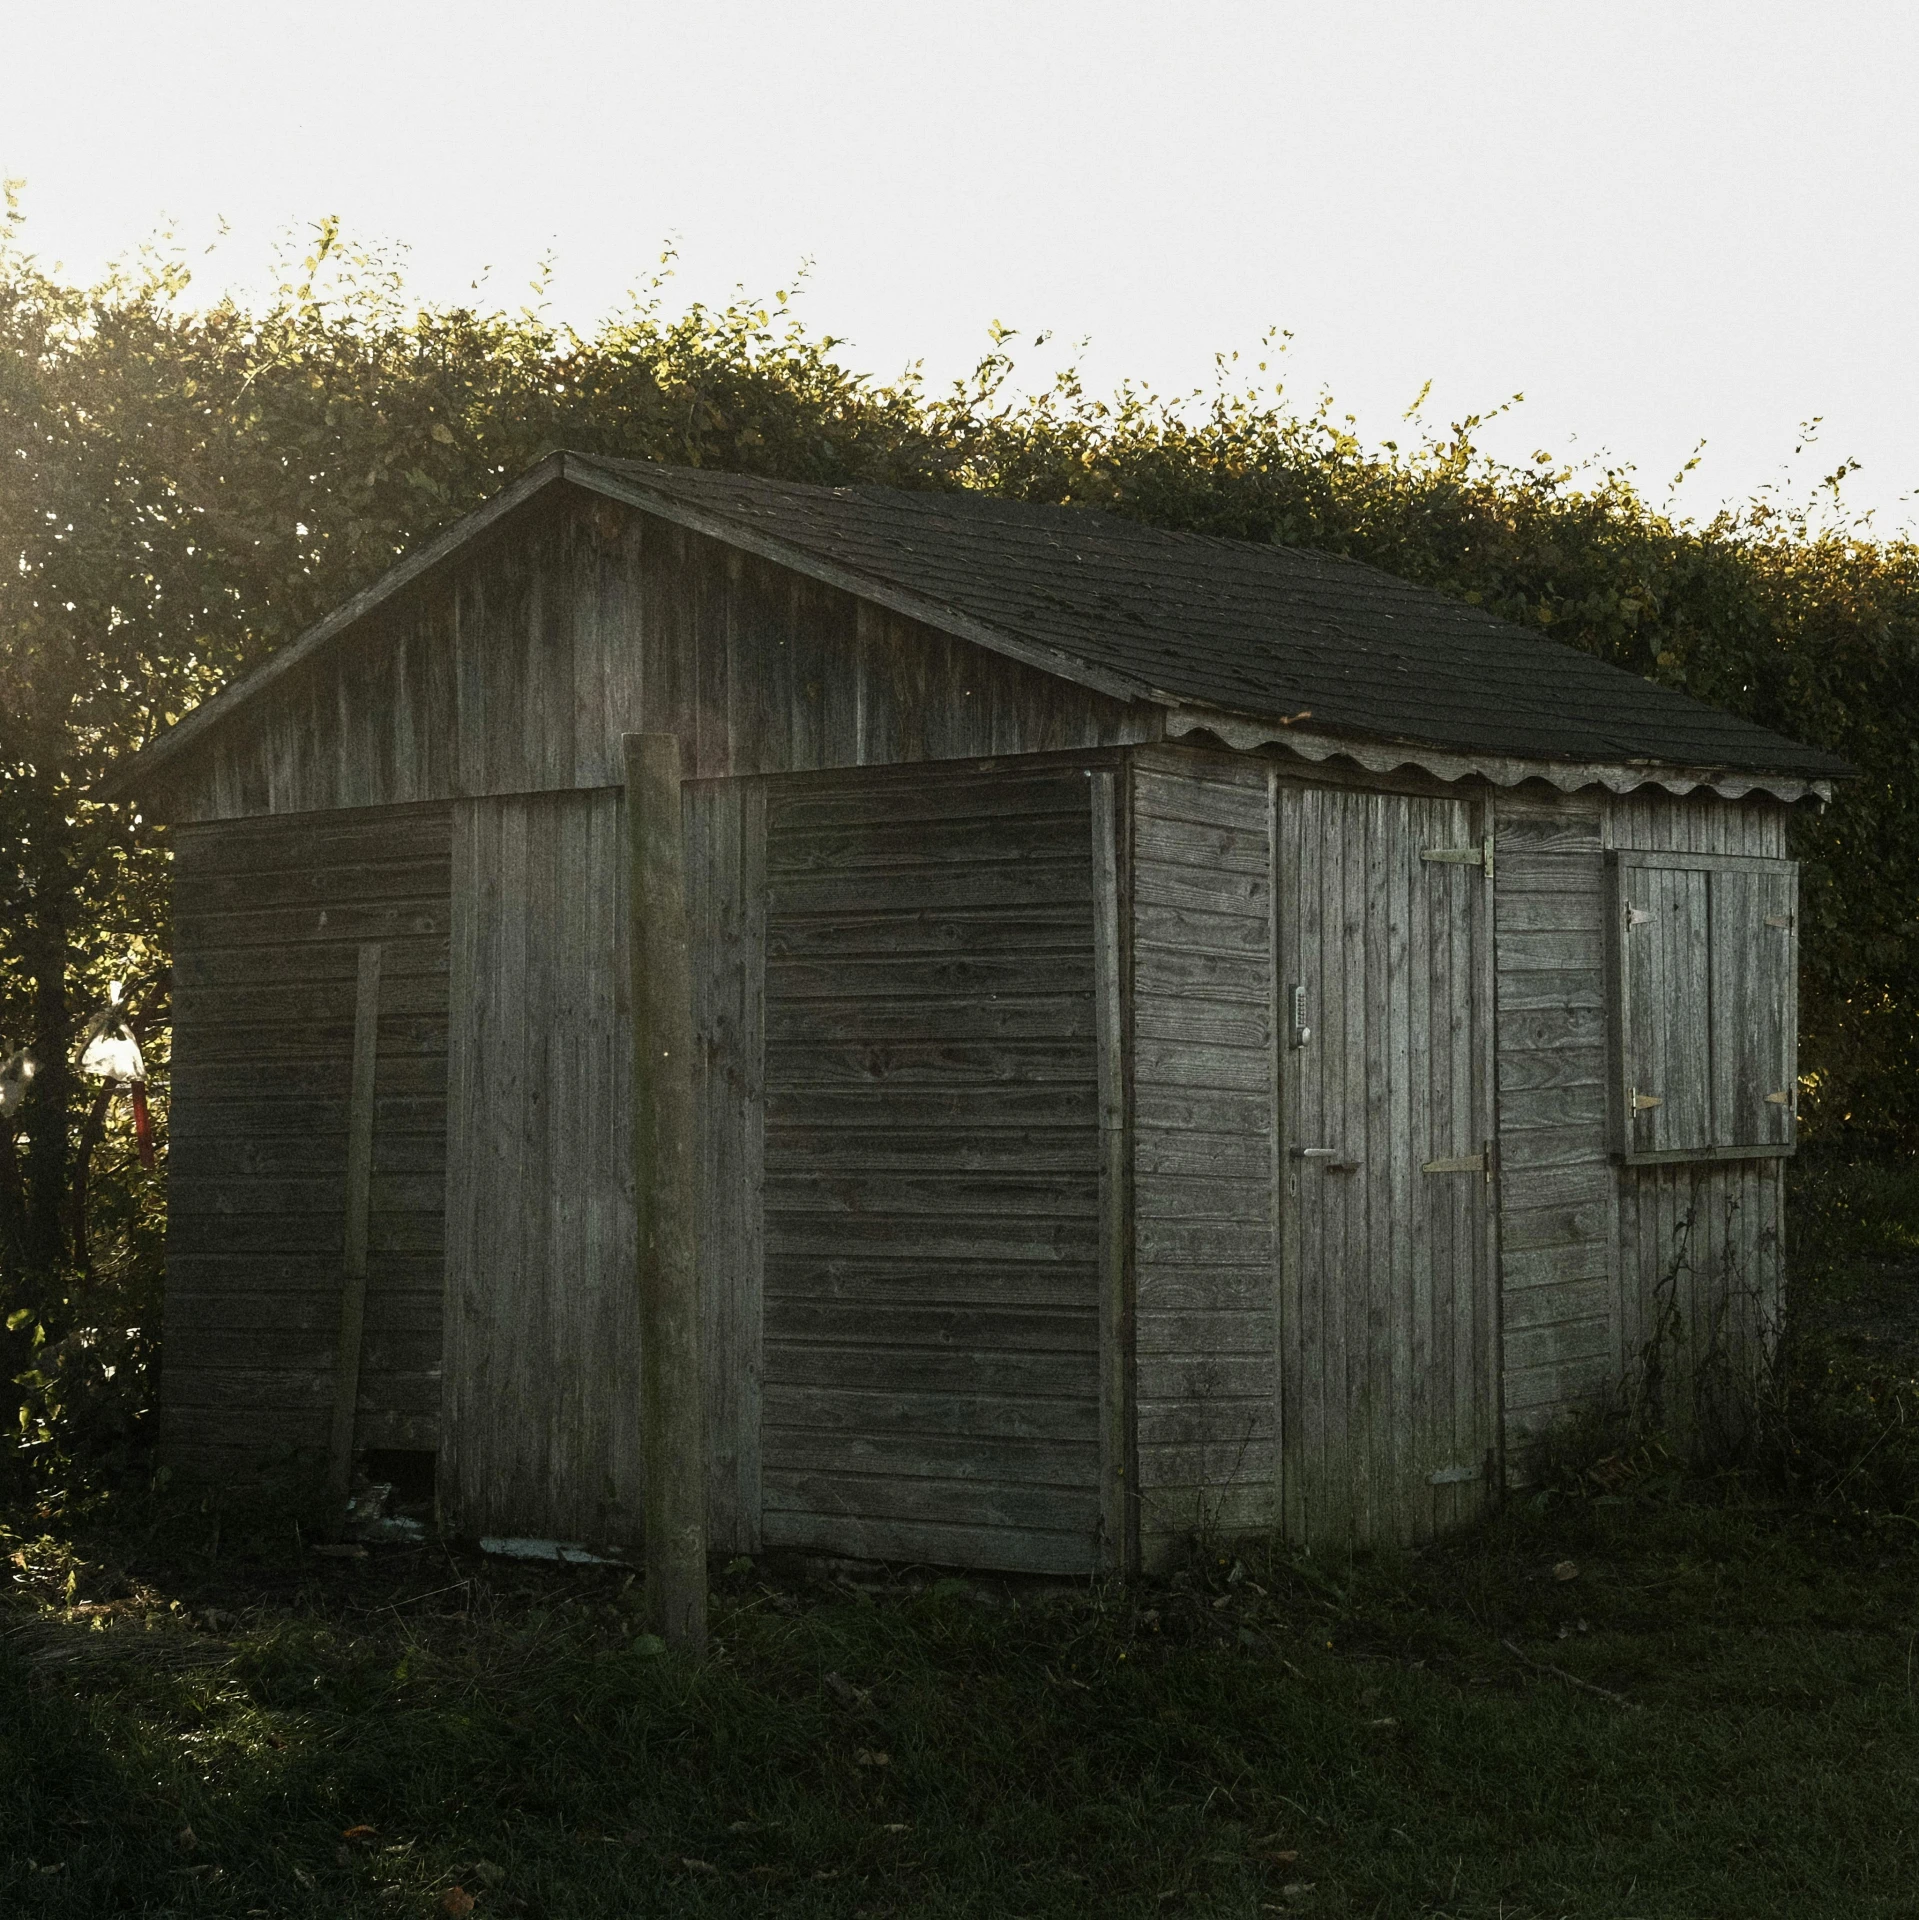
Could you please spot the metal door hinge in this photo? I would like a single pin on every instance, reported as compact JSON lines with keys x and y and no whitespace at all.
{"x":1483,"y":1161}
{"x":1783,"y":921}
{"x":1451,"y":1476}
{"x":1638,"y":916}
{"x":1480,"y":856}
{"x":1779,"y":1099}
{"x":1641,"y":1101}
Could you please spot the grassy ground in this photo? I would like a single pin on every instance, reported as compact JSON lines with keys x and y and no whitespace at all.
{"x":1666,"y":1699}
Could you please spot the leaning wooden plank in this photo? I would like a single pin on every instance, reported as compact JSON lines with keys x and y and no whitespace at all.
{"x":359,"y":1175}
{"x":665,"y":1144}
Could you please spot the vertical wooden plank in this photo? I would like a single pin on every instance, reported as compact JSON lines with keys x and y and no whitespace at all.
{"x":1297,"y":931}
{"x":1489,"y":1332}
{"x":359,"y":1180}
{"x":1115,"y":1222}
{"x":751,"y":1067}
{"x":673,"y":1373}
{"x":1402,"y":1133}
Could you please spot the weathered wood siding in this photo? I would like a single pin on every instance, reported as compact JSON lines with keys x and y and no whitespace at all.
{"x":1701,"y":1244}
{"x":1205,"y":1147}
{"x":1389,"y":1308}
{"x":269,"y":917}
{"x":1588,"y":1248}
{"x":1559,"y":1244}
{"x":519,"y":668}
{"x":931,"y":1385}
{"x":542,"y":1417}
{"x":726,"y":929}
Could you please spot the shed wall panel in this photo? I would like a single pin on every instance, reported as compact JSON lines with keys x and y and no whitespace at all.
{"x":931,"y":1170}
{"x":1205,"y":1147}
{"x":519,"y":668}
{"x":268,"y":919}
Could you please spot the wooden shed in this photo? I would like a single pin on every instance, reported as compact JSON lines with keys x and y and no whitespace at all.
{"x":1188,"y":1034}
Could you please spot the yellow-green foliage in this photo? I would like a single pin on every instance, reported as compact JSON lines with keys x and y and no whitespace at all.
{"x":185,"y":486}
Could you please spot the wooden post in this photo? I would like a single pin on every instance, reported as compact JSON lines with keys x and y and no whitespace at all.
{"x":359,"y":1182}
{"x":665,"y":1166}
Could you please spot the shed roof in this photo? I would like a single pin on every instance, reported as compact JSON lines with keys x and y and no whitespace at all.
{"x":1250,"y":641}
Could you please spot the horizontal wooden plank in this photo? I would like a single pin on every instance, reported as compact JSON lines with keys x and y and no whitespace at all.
{"x":1170,"y":1110}
{"x":925,"y":849}
{"x":815,"y":1367}
{"x":1208,"y":1195}
{"x":894,"y":1407}
{"x":244,"y":1192}
{"x":1206,"y":1383}
{"x":237,"y":1389}
{"x":1217,"y":1466}
{"x":971,"y":1285}
{"x":197,"y":968}
{"x":1181,"y":797}
{"x":1566,"y":1224}
{"x":305,"y":1003}
{"x":281,"y":1123}
{"x":296,"y":884}
{"x":892,"y":976}
{"x":1539,"y":913}
{"x":951,"y":889}
{"x":1549,"y":950}
{"x":1550,"y":990}
{"x":410,"y":1353}
{"x":1559,"y":831}
{"x":270,"y":1233}
{"x":1199,"y":1020}
{"x":1529,"y":1110}
{"x":1520,"y":1269}
{"x":1196,"y":930}
{"x":1177,"y":1063}
{"x":998,"y":1458}
{"x":1568,"y":1302}
{"x":353,"y":921}
{"x":928,"y":1063}
{"x":1209,"y":848}
{"x":1548,"y":1029}
{"x":929,"y":794}
{"x":304,"y":1310}
{"x":930,"y":1020}
{"x":1569,"y":1066}
{"x":961,"y":1151}
{"x":1213,"y":1242}
{"x":1243,"y":975}
{"x":1006,"y":1106}
{"x":1538,"y":1396}
{"x":937,"y":1194}
{"x":1212,"y":1334}
{"x":404,"y":1075}
{"x":305,"y":1269}
{"x":1186,"y":889}
{"x":932,"y":1543}
{"x":954,"y":1502}
{"x":1223,"y":1156}
{"x":1046,"y":927}
{"x":1221,"y":1420}
{"x":970,"y":1324}
{"x":1522,"y":1149}
{"x":1165,"y":1288}
{"x":267,"y":844}
{"x":234,"y":1155}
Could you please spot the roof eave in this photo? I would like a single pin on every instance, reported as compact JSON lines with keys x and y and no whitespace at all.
{"x":1244,"y":732}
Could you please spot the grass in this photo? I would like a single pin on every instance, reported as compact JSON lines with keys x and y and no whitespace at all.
{"x":1668,"y":1699}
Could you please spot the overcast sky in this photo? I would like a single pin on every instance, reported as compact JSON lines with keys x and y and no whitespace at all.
{"x":1662,"y":223}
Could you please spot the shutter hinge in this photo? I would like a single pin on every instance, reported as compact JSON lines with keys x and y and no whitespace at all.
{"x":1480,"y":856}
{"x":1641,"y":1101}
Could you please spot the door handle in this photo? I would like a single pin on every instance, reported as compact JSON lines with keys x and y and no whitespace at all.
{"x":1331,"y":1156}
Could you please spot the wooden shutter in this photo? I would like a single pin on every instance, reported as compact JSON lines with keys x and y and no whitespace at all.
{"x":1704,"y":1006}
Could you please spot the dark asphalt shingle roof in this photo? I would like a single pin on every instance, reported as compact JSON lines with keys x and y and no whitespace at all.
{"x":1263,"y":631}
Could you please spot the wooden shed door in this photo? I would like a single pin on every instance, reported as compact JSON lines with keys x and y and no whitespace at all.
{"x":1389,"y":1385}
